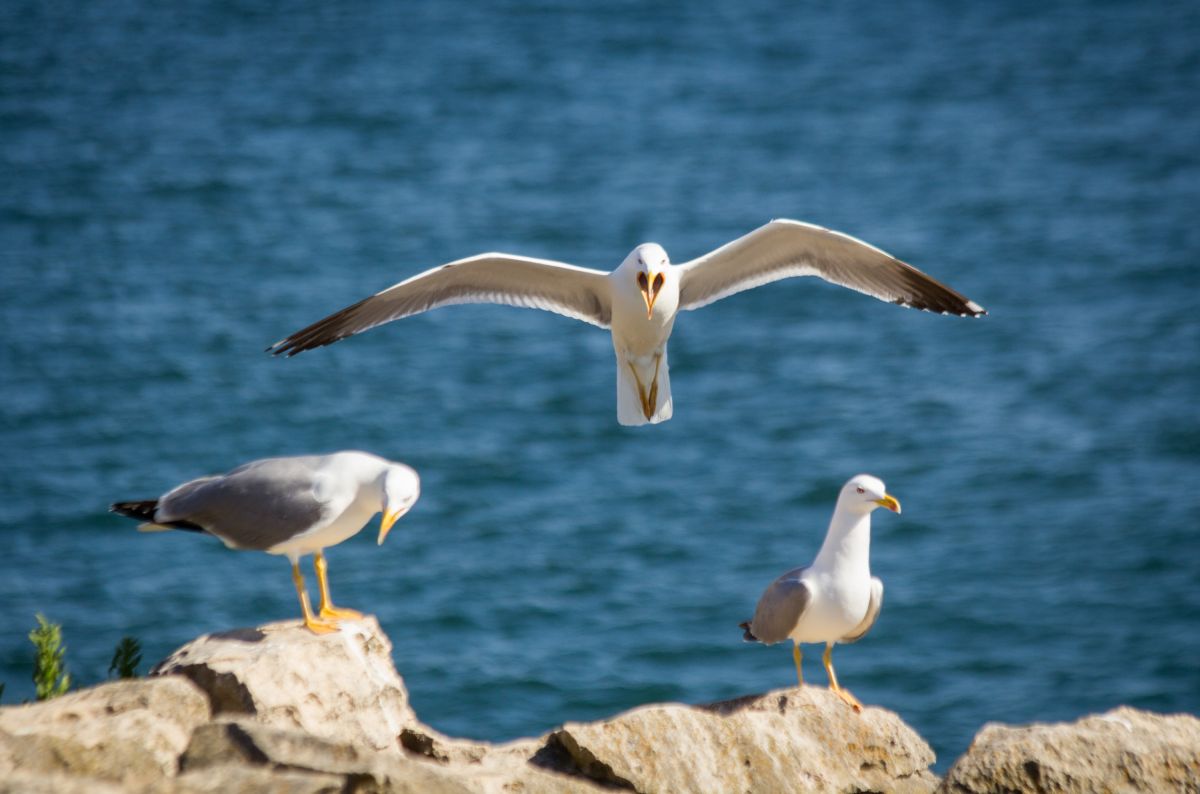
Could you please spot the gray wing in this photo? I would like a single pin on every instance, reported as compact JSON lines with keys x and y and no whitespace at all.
{"x":780,"y":608}
{"x":255,"y":506}
{"x":785,"y":248}
{"x":873,"y":607}
{"x":487,"y":278}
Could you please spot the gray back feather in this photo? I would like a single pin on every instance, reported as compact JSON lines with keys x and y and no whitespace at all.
{"x":255,"y":506}
{"x":780,"y":608}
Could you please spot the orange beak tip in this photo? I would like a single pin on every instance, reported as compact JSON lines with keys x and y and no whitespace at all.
{"x":890,"y":502}
{"x":385,"y":525}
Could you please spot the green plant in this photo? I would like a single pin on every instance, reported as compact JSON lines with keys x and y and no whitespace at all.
{"x":50,"y":677}
{"x":126,"y":658}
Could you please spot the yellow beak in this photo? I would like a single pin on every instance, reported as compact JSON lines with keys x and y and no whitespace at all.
{"x":649,"y":299}
{"x":889,"y":502}
{"x":385,"y":524}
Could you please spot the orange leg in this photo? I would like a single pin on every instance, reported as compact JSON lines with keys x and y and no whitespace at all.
{"x":652,"y":400}
{"x":315,"y":625}
{"x":647,"y":406}
{"x":327,"y":609}
{"x":844,"y":694}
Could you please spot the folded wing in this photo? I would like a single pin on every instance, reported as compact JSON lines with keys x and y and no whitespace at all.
{"x":873,"y":607}
{"x":780,"y":608}
{"x":785,"y":248}
{"x":255,"y":506}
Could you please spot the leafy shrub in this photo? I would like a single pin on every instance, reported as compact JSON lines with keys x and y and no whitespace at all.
{"x":50,"y":677}
{"x":126,"y":658}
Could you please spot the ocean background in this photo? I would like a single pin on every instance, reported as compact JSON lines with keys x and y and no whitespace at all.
{"x":183,"y":184}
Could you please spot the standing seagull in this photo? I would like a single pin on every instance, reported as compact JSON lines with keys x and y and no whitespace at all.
{"x":835,"y":599}
{"x":639,"y":300}
{"x":290,"y":506}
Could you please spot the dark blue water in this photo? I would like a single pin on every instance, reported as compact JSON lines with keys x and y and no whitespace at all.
{"x":181,"y":186}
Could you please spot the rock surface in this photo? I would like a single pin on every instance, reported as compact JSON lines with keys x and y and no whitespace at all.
{"x":120,"y":732}
{"x":790,"y":740}
{"x":339,"y":686}
{"x":239,"y":743}
{"x":280,"y":709}
{"x":1122,"y":750}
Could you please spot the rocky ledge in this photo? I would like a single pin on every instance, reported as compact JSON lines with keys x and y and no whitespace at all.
{"x":277,"y":708}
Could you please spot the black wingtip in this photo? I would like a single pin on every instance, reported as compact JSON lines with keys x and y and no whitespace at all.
{"x":281,"y":348}
{"x":142,"y":510}
{"x":747,"y":636}
{"x":145,"y":509}
{"x":284,"y":349}
{"x":323,"y":332}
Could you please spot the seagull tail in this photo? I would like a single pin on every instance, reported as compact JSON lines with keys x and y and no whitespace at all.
{"x":629,"y":409}
{"x":629,"y":394}
{"x":144,"y":511}
{"x":747,"y":635}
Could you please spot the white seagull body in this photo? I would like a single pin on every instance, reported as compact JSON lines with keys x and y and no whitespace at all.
{"x":641,"y":298}
{"x":835,"y":599}
{"x":289,"y":506}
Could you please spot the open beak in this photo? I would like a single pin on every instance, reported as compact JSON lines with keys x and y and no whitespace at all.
{"x":385,"y":525}
{"x":649,"y":297}
{"x":889,"y":502}
{"x":650,"y":288}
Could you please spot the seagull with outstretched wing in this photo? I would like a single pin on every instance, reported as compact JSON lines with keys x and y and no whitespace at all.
{"x":641,"y":298}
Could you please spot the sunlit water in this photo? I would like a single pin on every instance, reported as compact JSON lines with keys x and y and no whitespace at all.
{"x":181,"y":188}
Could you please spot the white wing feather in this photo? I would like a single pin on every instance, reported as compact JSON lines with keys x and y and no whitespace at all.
{"x":785,"y":248}
{"x":572,"y":291}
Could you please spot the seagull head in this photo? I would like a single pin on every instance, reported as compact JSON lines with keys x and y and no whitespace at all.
{"x":649,"y":268}
{"x":401,"y":488}
{"x":864,"y":493}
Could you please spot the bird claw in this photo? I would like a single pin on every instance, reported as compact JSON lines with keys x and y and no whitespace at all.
{"x":319,"y":626}
{"x":331,"y":612}
{"x":850,"y":700}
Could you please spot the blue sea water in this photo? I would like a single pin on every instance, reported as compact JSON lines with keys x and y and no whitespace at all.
{"x":183,"y":184}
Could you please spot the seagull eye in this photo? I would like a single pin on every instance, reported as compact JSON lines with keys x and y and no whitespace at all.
{"x":658,"y":282}
{"x":641,"y":280}
{"x":860,"y":490}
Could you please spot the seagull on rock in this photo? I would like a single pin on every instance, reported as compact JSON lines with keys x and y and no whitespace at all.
{"x":640,"y":299}
{"x":290,"y":506}
{"x":835,"y":599}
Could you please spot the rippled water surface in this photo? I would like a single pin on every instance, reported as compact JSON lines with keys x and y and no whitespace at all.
{"x":184,"y":184}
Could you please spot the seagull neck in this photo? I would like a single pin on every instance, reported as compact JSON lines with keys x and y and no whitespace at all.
{"x":371,"y":473}
{"x":847,"y":543}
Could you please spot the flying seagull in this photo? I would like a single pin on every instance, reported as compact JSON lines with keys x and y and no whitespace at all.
{"x":290,"y":506}
{"x":640,"y":299}
{"x":835,"y":599}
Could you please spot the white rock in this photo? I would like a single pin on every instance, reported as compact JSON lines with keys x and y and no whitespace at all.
{"x":120,"y":731}
{"x":804,"y":739}
{"x":339,"y":686}
{"x":1124,"y":750}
